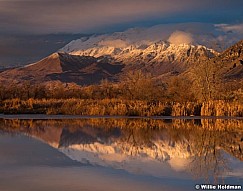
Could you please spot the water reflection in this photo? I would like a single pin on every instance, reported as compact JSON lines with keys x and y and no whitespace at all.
{"x":205,"y":148}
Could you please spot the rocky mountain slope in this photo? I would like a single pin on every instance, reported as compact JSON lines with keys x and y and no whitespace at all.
{"x":231,"y":61}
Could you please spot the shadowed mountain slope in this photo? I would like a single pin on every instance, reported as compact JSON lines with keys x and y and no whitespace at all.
{"x":82,"y":70}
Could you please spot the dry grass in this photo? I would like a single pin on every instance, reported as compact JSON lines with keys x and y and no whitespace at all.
{"x":119,"y":107}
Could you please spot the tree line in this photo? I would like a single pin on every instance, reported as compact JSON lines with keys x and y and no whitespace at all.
{"x":201,"y":84}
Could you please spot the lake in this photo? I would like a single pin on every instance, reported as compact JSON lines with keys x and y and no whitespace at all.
{"x":60,"y":153}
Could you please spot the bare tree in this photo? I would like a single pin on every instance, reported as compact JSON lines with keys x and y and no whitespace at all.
{"x":138,"y":85}
{"x":206,"y":80}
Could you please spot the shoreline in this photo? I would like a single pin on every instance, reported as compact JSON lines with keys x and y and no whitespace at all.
{"x":46,"y":116}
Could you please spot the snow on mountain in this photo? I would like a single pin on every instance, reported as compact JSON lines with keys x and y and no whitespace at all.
{"x":122,"y":155}
{"x":208,"y":35}
{"x":158,"y":44}
{"x":154,"y":57}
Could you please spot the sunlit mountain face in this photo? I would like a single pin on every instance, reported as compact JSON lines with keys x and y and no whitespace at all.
{"x":142,"y":146}
{"x":89,"y":60}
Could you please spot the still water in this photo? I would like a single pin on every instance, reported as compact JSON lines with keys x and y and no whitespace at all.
{"x":66,"y":153}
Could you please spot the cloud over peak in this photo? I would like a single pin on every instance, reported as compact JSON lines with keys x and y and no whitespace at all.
{"x":180,"y":37}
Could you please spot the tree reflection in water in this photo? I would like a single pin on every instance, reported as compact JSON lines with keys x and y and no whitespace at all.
{"x":207,"y":143}
{"x":208,"y":159}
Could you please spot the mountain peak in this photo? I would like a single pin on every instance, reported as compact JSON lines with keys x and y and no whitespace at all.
{"x":65,"y":68}
{"x":158,"y":57}
{"x":231,"y":61}
{"x":235,"y":52}
{"x":54,"y":55}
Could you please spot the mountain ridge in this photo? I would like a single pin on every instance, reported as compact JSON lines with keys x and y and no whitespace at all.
{"x":161,"y":60}
{"x":89,"y":69}
{"x":232,"y":61}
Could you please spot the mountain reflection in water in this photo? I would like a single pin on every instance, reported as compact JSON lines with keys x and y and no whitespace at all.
{"x":203,"y":147}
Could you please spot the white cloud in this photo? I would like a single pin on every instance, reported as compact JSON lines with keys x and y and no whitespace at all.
{"x":236,"y":28}
{"x":180,"y":37}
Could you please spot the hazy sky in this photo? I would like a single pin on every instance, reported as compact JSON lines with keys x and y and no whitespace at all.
{"x":78,"y":16}
{"x":20,"y":19}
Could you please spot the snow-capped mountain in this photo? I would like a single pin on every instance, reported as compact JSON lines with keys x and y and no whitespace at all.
{"x":138,"y":49}
{"x":150,"y":52}
{"x":161,"y":51}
